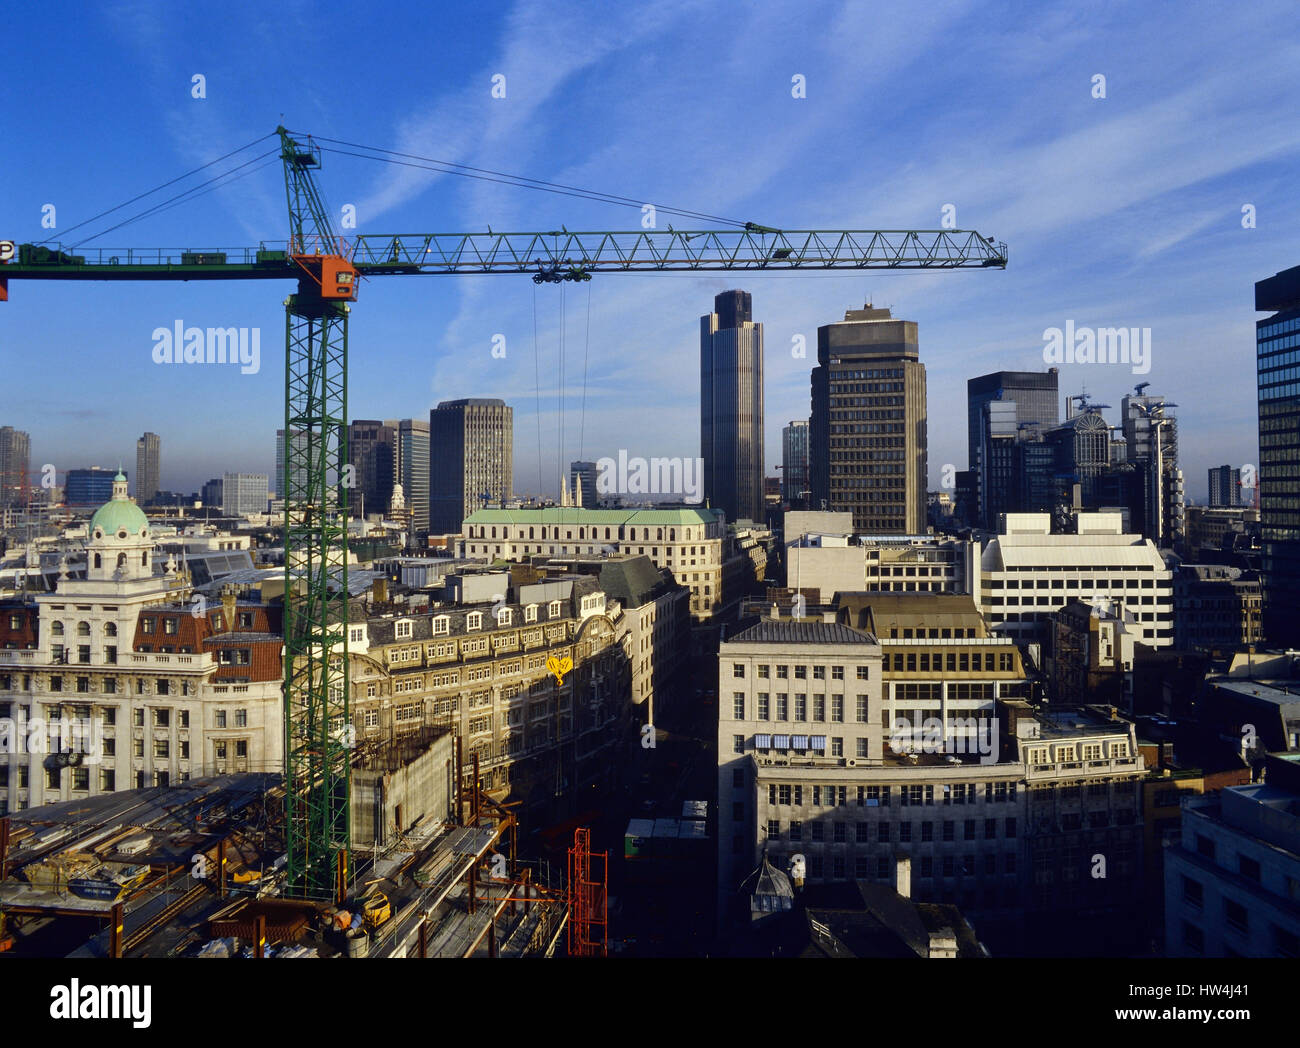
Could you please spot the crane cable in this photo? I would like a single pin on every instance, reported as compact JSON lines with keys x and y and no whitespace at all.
{"x":169,"y":182}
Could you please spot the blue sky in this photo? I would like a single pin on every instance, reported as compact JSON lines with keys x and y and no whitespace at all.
{"x":1122,"y":211}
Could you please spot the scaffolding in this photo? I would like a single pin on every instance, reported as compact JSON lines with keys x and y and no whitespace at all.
{"x":588,"y":898}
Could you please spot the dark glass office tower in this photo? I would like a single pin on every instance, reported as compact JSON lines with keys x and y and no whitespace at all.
{"x":370,"y":451}
{"x":731,"y":407}
{"x":1277,"y":350}
{"x":1035,"y":393}
{"x":471,"y":459}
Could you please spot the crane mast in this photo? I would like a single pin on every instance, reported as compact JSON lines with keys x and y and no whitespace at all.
{"x":318,"y":733}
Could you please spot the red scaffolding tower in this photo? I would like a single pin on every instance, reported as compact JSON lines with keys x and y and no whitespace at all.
{"x":588,"y":898}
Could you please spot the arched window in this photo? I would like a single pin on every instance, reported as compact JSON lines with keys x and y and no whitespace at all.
{"x":83,"y":629}
{"x":607,"y":533}
{"x":57,"y":629}
{"x":121,"y":560}
{"x":110,"y":629}
{"x":99,"y":562}
{"x":672,"y":534}
{"x":494,"y":531}
{"x":660,"y":535}
{"x":144,"y":560}
{"x":530,"y":533}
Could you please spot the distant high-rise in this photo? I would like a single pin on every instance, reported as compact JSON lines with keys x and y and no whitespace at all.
{"x":411,"y":468}
{"x":300,"y":442}
{"x":1151,"y":447}
{"x":243,"y":493}
{"x":794,"y":461}
{"x":1035,"y":394}
{"x":15,"y":463}
{"x":148,"y":452}
{"x":586,"y":472}
{"x":1279,"y":453}
{"x":731,"y":407}
{"x":1225,"y":486}
{"x":370,"y":452}
{"x":1081,"y":455}
{"x":89,"y":487}
{"x":867,"y":434}
{"x":471,"y":459}
{"x":212,"y":493}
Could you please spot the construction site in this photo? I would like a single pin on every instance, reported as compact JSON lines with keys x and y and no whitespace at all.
{"x":198,"y":870}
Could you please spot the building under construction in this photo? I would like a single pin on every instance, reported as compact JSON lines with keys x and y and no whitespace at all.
{"x":197,"y":869}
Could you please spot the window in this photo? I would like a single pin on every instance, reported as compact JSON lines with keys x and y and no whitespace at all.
{"x":169,"y":626}
{"x":764,"y":706}
{"x":441,"y":625}
{"x":530,"y":613}
{"x":1204,"y":846}
{"x":738,"y":744}
{"x":773,"y":829}
{"x":796,"y":830}
{"x":927,"y":832}
{"x":948,"y":830}
{"x":402,"y":631}
{"x":220,"y":719}
{"x":904,"y":833}
{"x":1235,"y":914}
{"x":1248,"y":868}
{"x":862,"y":709}
{"x":738,"y":670}
{"x":241,"y":718}
{"x":738,"y":705}
{"x":782,"y":672}
{"x":819,"y":673}
{"x":762,"y":672}
{"x":801,"y":707}
{"x":837,"y":708}
{"x":819,"y":707}
{"x":863,"y":673}
{"x":801,"y":673}
{"x":861,"y":747}
{"x":474,"y":620}
{"x":782,"y":708}
{"x":553,"y":609}
{"x":837,"y":746}
{"x":990,"y":829}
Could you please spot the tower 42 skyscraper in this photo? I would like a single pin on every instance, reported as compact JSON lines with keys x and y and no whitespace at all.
{"x":731,"y":407}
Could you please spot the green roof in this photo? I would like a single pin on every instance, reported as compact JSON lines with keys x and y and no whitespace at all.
{"x":576,"y":515}
{"x":117,"y":514}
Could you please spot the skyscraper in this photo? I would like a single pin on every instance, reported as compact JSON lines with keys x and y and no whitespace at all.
{"x":15,"y":463}
{"x":471,"y":459}
{"x":89,"y":487}
{"x":370,"y":452}
{"x":867,"y":434}
{"x":148,"y":451}
{"x":794,"y":460}
{"x":411,"y":468}
{"x":1279,"y":453}
{"x":1035,"y":394}
{"x":1151,"y":447}
{"x":1225,"y":486}
{"x":731,"y":407}
{"x":586,"y":471}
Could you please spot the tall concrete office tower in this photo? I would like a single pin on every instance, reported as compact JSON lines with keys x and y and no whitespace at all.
{"x":1279,"y":453}
{"x":370,"y":451}
{"x":583,"y":475}
{"x":794,"y":461}
{"x":1225,"y":486}
{"x":148,"y":452}
{"x":867,"y":434}
{"x":15,"y":462}
{"x":471,"y":459}
{"x":411,"y":469}
{"x":731,"y":407}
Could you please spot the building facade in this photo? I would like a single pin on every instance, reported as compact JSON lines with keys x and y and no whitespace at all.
{"x":89,"y":487}
{"x":1035,"y":394}
{"x":1277,"y":349}
{"x":731,"y":407}
{"x":867,"y":433}
{"x":148,"y":464}
{"x":411,"y":469}
{"x":15,"y":466}
{"x":794,"y":461}
{"x":243,"y":493}
{"x":370,"y":453}
{"x":471,"y":460}
{"x":1225,"y":486}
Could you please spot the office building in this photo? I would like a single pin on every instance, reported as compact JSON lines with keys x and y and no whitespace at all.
{"x":1082,"y":454}
{"x":211,"y":495}
{"x":1233,"y":878}
{"x":15,"y":466}
{"x":411,"y":469}
{"x":582,"y":484}
{"x":1279,"y":452}
{"x":1225,"y":487}
{"x":867,"y":433}
{"x":243,"y":494}
{"x":370,"y":452}
{"x":1035,"y":395}
{"x":731,"y":407}
{"x":148,"y":451}
{"x":1026,"y":575}
{"x":794,"y":461}
{"x":1216,"y":608}
{"x":694,"y":543}
{"x":1151,"y":448}
{"x":89,"y":487}
{"x":471,"y":460}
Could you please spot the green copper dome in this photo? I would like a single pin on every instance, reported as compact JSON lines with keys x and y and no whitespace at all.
{"x":121,"y":513}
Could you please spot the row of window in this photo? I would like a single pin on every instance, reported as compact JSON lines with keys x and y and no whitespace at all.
{"x":764,"y":707}
{"x":885,"y":832}
{"x":404,"y":629}
{"x":879,"y":796}
{"x":763,"y":672}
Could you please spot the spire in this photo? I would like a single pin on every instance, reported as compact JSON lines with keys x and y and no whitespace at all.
{"x":564,"y":490}
{"x":577,"y":489}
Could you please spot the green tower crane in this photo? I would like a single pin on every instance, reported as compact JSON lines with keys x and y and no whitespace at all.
{"x":317,"y":728}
